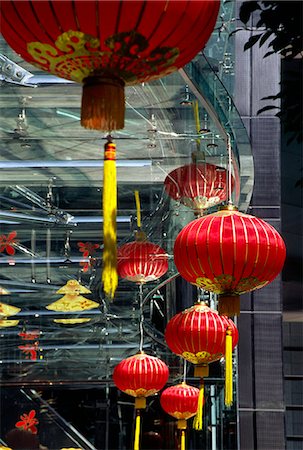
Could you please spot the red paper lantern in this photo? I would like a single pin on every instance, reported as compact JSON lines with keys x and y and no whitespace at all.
{"x":197,"y":185}
{"x":181,"y":402}
{"x":140,"y":376}
{"x":198,"y":334}
{"x":229,"y":253}
{"x":107,"y":44}
{"x":141,"y":261}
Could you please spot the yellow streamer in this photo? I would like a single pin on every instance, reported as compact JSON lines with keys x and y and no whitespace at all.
{"x":138,"y":207}
{"x":137,"y":431}
{"x":228,"y":368}
{"x":182,"y":446}
{"x":197,"y":119}
{"x":109,"y":273}
{"x":198,"y":420}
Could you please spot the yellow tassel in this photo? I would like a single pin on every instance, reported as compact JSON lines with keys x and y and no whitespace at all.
{"x":198,"y":420}
{"x":182,"y":446}
{"x":138,"y":207}
{"x":109,"y":273}
{"x":228,"y":368}
{"x":137,"y":430}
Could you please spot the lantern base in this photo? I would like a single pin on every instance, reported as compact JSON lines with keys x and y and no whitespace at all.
{"x":201,"y":370}
{"x":103,"y":103}
{"x":181,"y":424}
{"x":229,"y":305}
{"x":140,"y":402}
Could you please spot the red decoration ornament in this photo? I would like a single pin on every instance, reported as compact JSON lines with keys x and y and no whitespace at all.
{"x":141,"y":261}
{"x":88,"y":249}
{"x":7,"y":243}
{"x":108,"y":44}
{"x":197,"y":185}
{"x":181,"y":402}
{"x":28,"y":422}
{"x":140,"y":376}
{"x":229,"y":253}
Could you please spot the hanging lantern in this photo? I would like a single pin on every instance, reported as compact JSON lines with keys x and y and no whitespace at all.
{"x":197,"y":185}
{"x":106,"y":44}
{"x":72,"y":300}
{"x":181,"y":402}
{"x":229,"y":253}
{"x":200,"y":335}
{"x":141,"y":261}
{"x":140,"y":376}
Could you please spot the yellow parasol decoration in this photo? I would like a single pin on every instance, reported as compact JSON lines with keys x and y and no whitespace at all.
{"x":72,"y":300}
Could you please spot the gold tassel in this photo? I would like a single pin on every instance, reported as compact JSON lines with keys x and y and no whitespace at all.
{"x":109,"y":273}
{"x":228,"y":368}
{"x":182,"y":446}
{"x":198,"y":420}
{"x":137,"y":430}
{"x":229,"y":305}
{"x":138,"y":207}
{"x":103,"y":103}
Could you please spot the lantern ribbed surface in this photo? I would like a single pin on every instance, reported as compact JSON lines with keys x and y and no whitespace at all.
{"x":229,"y":252}
{"x":198,"y":185}
{"x":129,"y":40}
{"x":198,"y":334}
{"x":140,"y":375}
{"x":180,"y":401}
{"x":141,"y":261}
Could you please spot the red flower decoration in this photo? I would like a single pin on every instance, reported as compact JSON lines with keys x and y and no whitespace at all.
{"x":7,"y":243}
{"x":88,"y":249}
{"x":28,"y":422}
{"x":29,"y":335}
{"x":30,"y":350}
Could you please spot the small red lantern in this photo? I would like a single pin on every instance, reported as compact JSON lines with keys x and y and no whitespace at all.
{"x":197,"y":185}
{"x":108,"y":44}
{"x":229,"y":253}
{"x":200,"y":335}
{"x":140,"y":376}
{"x":141,"y":261}
{"x":181,"y":402}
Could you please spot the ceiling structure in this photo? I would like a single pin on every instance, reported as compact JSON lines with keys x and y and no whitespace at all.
{"x":50,"y":194}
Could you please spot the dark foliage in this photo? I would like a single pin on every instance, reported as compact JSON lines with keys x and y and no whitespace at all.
{"x":281,"y":24}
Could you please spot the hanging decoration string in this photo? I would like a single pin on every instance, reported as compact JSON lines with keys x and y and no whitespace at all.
{"x":141,"y":317}
{"x":228,"y":394}
{"x":197,"y":121}
{"x":184,"y":370}
{"x":229,"y":186}
{"x":109,"y":272}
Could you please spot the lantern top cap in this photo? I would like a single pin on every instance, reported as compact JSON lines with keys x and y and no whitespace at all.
{"x":140,"y":236}
{"x":228,"y":208}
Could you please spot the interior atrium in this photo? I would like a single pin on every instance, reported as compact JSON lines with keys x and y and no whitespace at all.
{"x":58,"y":347}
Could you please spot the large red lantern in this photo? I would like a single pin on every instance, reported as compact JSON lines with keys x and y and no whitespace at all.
{"x":229,"y":253}
{"x":200,"y":335}
{"x":197,"y":185}
{"x":181,"y":402}
{"x":107,"y":44}
{"x":140,"y":376}
{"x":141,"y":261}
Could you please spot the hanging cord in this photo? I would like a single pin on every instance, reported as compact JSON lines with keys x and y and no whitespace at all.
{"x":184,"y":370}
{"x":48,"y":250}
{"x":229,"y":185}
{"x":141,"y":320}
{"x":197,"y":121}
{"x":33,"y":250}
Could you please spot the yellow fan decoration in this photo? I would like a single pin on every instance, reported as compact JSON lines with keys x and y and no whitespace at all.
{"x":8,"y":310}
{"x":8,"y":323}
{"x":72,"y":301}
{"x":71,"y":322}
